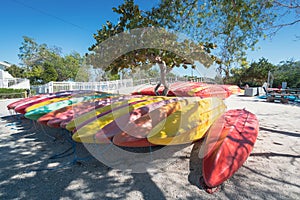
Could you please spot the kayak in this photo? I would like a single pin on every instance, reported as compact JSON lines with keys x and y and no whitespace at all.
{"x":228,"y":144}
{"x":21,"y":107}
{"x":61,"y":118}
{"x":115,"y":104}
{"x":67,"y":113}
{"x":189,"y":89}
{"x":209,"y":91}
{"x":126,"y":140}
{"x":233,"y":89}
{"x":188,"y":124}
{"x":86,"y":133}
{"x":150,"y":90}
{"x":139,"y":121}
{"x":37,"y":105}
{"x":22,"y":101}
{"x":134,"y":133}
{"x":54,"y":114}
{"x":39,"y":112}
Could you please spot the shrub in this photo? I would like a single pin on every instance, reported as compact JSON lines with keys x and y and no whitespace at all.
{"x":8,"y":93}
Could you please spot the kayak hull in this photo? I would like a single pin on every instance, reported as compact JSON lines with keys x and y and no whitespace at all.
{"x":228,"y":144}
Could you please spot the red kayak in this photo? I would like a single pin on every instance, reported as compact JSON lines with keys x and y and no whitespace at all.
{"x":22,"y":101}
{"x":31,"y":99}
{"x":126,"y":140}
{"x":228,"y":144}
{"x":188,"y":89}
{"x":21,"y":108}
{"x":210,"y":91}
{"x":61,"y":117}
{"x":150,"y":90}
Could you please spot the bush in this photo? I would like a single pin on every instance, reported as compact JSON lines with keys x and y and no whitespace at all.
{"x":8,"y":93}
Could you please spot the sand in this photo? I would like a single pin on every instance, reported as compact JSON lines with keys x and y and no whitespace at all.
{"x":28,"y":172}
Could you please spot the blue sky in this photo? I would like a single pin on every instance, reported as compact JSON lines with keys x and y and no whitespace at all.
{"x":70,"y":24}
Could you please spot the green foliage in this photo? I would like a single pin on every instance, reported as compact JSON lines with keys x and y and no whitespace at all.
{"x":288,"y":71}
{"x":12,"y":93}
{"x":42,"y":64}
{"x":257,"y":73}
{"x":49,"y":73}
{"x":144,"y":47}
{"x":16,"y":71}
{"x":235,"y":26}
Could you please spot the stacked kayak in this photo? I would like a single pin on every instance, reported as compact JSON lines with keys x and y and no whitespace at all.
{"x":190,"y":89}
{"x":190,"y":112}
{"x":22,"y":101}
{"x":38,"y":112}
{"x":159,"y":120}
{"x":61,"y":117}
{"x":21,"y":105}
{"x":125,"y":120}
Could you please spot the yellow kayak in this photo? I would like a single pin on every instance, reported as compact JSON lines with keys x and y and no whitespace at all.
{"x":189,"y":124}
{"x":87,"y":132}
{"x":92,"y":115}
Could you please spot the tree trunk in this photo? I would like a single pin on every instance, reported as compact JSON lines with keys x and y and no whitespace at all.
{"x":163,"y":79}
{"x":163,"y":74}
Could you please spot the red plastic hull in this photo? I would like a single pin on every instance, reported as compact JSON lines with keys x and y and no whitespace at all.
{"x":228,"y":144}
{"x":53,"y":115}
{"x":126,"y":140}
{"x":22,"y":101}
{"x":185,"y":89}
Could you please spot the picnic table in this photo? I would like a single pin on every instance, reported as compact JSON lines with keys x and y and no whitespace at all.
{"x":281,"y":95}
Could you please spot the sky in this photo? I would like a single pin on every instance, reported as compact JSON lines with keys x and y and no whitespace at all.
{"x":70,"y":24}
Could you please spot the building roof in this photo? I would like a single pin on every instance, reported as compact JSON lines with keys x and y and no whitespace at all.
{"x":4,"y":65}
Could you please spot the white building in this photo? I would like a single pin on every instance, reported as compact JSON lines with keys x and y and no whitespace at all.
{"x":8,"y":81}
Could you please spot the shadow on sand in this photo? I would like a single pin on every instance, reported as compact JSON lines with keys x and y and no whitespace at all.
{"x":37,"y":160}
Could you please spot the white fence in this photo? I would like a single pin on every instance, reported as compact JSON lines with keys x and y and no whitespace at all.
{"x":105,"y":86}
{"x":15,"y":83}
{"x":117,"y":86}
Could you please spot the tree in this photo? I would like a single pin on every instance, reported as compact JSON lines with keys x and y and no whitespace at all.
{"x":42,"y":64}
{"x":235,"y":25}
{"x":49,"y":73}
{"x":257,"y":73}
{"x":288,"y":71}
{"x":254,"y":75}
{"x":16,"y":71}
{"x":29,"y":51}
{"x":124,"y":46}
{"x":283,"y":8}
{"x":68,"y":66}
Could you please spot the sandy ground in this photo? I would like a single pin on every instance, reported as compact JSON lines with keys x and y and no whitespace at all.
{"x":28,"y":172}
